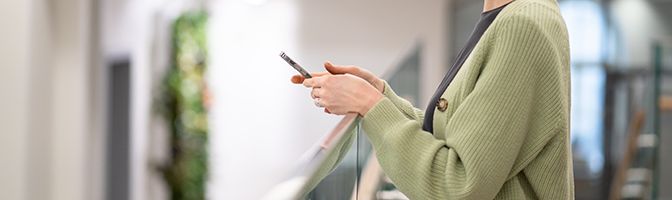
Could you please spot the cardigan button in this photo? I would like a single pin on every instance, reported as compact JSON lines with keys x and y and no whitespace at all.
{"x":442,"y":105}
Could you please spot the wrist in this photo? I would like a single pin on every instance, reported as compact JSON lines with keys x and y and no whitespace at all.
{"x":370,"y":102}
{"x":379,"y":84}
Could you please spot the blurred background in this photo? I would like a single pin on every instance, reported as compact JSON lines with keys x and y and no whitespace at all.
{"x":179,"y":99}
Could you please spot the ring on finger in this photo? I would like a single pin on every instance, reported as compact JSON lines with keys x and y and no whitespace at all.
{"x":317,"y":103}
{"x":314,"y":93}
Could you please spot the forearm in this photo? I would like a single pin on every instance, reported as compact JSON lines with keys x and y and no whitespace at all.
{"x":402,"y":104}
{"x":414,"y":160}
{"x":472,"y":164}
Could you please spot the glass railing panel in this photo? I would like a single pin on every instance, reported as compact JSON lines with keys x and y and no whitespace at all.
{"x":341,"y":173}
{"x":327,"y":171}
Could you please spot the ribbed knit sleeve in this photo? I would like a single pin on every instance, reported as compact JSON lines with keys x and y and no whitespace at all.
{"x":403,"y":105}
{"x":485,"y":133}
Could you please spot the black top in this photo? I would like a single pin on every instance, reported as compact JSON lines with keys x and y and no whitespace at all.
{"x":486,"y":19}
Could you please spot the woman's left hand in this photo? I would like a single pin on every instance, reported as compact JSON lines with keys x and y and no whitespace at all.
{"x":343,"y":93}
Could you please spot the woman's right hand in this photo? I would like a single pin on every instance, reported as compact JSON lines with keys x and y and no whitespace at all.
{"x":346,"y":69}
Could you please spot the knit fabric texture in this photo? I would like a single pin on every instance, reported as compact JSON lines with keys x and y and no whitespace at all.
{"x":505,"y":132}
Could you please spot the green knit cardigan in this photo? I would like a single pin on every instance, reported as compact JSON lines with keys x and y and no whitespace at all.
{"x":505,"y":131}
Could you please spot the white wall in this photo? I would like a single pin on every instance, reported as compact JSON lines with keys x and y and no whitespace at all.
{"x":124,"y":29}
{"x":44,"y":91}
{"x":255,"y":115}
{"x":640,"y":24}
{"x":39,"y":134}
{"x":261,"y":123}
{"x":70,"y":101}
{"x":376,"y":34}
{"x":127,"y":29}
{"x":14,"y":94}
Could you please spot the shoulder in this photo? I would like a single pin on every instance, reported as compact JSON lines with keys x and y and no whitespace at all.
{"x":528,"y":35}
{"x":530,"y":17}
{"x":547,"y":9}
{"x":535,"y":25}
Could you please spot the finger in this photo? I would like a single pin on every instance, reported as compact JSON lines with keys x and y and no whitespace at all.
{"x":314,"y":82}
{"x":341,"y":69}
{"x":315,"y":93}
{"x":318,"y":103}
{"x":298,"y":79}
{"x":309,"y":83}
{"x":318,"y":74}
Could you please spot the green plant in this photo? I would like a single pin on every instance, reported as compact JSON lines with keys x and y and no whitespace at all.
{"x":182,"y":102}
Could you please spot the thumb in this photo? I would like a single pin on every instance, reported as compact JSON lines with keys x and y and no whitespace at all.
{"x":339,"y":69}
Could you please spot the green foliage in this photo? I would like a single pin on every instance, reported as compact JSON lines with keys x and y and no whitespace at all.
{"x":182,"y":103}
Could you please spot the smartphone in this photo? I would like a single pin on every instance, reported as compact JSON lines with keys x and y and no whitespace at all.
{"x":295,"y":65}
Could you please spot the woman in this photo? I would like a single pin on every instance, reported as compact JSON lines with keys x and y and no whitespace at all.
{"x":498,"y":124}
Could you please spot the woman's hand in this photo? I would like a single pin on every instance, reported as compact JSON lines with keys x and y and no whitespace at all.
{"x":346,"y":69}
{"x":342,"y":94}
